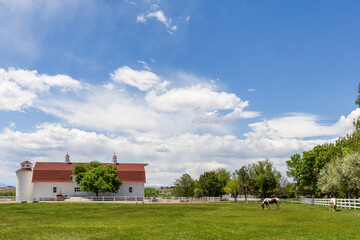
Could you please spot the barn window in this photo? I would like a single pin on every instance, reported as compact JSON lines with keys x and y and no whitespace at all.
{"x":130,"y":189}
{"x":77,"y":189}
{"x":54,"y":189}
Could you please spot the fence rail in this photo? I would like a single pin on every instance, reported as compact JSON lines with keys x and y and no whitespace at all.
{"x":7,"y":198}
{"x":114,"y":199}
{"x":341,"y":202}
{"x":259,"y":200}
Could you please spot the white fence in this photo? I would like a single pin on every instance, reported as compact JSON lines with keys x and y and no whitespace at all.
{"x":258,"y":200}
{"x":341,"y":202}
{"x":151,"y":199}
{"x":7,"y":198}
{"x":115,"y":199}
{"x":248,"y":200}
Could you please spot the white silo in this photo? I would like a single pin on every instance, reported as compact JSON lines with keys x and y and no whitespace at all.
{"x":24,"y":185}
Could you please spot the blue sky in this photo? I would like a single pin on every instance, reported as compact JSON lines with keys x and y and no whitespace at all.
{"x":186,"y":86}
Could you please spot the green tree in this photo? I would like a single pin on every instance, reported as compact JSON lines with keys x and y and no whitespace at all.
{"x":342,"y":176}
{"x":223,"y":177}
{"x":244,"y":180}
{"x":184,"y":186}
{"x":330,"y":179}
{"x":290,"y":190}
{"x":351,"y":173}
{"x":233,"y":186}
{"x":350,"y":142}
{"x":305,"y":170}
{"x":96,"y":177}
{"x":210,"y":184}
{"x":264,"y":178}
{"x":150,"y":192}
{"x":357,"y":102}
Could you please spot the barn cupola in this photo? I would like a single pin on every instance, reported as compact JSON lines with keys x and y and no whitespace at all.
{"x":115,"y":159}
{"x":67,"y":159}
{"x":26,"y":165}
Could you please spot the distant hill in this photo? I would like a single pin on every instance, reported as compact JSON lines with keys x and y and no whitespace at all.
{"x":3,"y":185}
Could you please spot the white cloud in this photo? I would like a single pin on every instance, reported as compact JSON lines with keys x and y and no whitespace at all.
{"x":299,"y":125}
{"x":110,"y":107}
{"x":130,"y":2}
{"x":141,"y":18}
{"x":13,"y":98}
{"x":38,"y":82}
{"x":159,"y":15}
{"x":143,"y":80}
{"x":202,"y":99}
{"x":19,"y":88}
{"x":187,"y":19}
{"x":144,"y":64}
{"x":103,"y":108}
{"x":251,"y":90}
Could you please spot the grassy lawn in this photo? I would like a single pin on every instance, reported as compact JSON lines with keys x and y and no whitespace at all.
{"x":175,"y":221}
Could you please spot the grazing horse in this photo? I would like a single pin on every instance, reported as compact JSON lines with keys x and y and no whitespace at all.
{"x":333,"y":204}
{"x":268,"y":201}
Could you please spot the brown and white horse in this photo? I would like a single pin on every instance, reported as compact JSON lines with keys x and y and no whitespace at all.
{"x":268,"y":201}
{"x":333,"y":204}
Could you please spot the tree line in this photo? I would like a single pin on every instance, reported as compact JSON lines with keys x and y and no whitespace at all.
{"x":331,"y":169}
{"x":260,"y":179}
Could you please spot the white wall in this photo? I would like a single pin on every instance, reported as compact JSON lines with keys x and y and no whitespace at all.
{"x":137,"y":189}
{"x":46,"y":190}
{"x":24,"y":186}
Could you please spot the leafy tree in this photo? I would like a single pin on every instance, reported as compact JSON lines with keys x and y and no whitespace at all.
{"x":350,"y":142}
{"x":305,"y":170}
{"x":223,"y":176}
{"x":8,"y":193}
{"x":95,"y":177}
{"x":233,"y":186}
{"x":285,"y":189}
{"x":210,"y":184}
{"x":351,"y":173}
{"x":290,"y":190}
{"x":330,"y":179}
{"x":342,"y":176}
{"x":244,"y":180}
{"x":357,"y":102}
{"x":184,"y":186}
{"x":264,"y":178}
{"x":150,"y":192}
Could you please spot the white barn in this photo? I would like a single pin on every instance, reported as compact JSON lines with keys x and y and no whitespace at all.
{"x":48,"y":179}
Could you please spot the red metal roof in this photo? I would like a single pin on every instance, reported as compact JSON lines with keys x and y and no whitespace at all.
{"x":24,"y":170}
{"x":61,"y":172}
{"x":26,"y":162}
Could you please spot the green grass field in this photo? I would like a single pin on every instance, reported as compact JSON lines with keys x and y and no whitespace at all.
{"x":175,"y":221}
